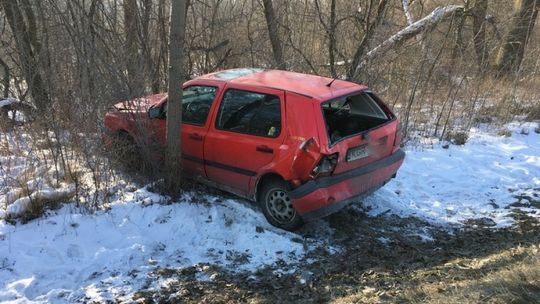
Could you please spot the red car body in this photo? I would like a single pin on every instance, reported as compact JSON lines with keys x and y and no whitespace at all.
{"x":315,"y":139}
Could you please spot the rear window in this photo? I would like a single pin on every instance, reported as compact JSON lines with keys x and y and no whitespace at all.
{"x":359,"y":104}
{"x":352,"y":114}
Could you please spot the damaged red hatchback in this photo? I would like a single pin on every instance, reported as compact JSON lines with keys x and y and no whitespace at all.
{"x":302,"y":146}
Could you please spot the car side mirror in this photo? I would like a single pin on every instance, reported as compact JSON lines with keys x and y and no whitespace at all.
{"x":154,"y":112}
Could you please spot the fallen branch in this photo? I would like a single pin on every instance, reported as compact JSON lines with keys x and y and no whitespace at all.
{"x":411,"y":20}
{"x":420,"y":26}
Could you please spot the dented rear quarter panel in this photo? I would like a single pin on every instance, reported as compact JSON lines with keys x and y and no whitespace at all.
{"x":298,"y":127}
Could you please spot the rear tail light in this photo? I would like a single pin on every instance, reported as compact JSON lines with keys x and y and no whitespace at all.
{"x":326,"y":166}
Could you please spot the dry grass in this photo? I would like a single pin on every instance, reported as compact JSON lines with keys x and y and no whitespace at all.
{"x":458,"y":137}
{"x":511,"y":276}
{"x":43,"y":170}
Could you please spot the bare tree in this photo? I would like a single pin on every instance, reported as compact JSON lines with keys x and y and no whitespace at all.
{"x":479,"y":14}
{"x":512,"y":50}
{"x":161,"y":60}
{"x":371,"y":23}
{"x":24,"y":30}
{"x":407,"y":33}
{"x":330,"y":30}
{"x":273,"y":32}
{"x":174,"y":104}
{"x":135,"y":69}
{"x":6,"y":78}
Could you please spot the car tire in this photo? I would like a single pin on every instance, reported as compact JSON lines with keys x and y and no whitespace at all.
{"x":277,"y":207}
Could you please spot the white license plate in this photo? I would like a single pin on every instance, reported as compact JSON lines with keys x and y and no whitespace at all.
{"x":357,"y":153}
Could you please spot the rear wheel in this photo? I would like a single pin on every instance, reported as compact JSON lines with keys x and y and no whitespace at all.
{"x":277,"y":206}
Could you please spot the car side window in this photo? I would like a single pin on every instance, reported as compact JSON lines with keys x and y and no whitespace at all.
{"x":250,"y":113}
{"x":196,"y":104}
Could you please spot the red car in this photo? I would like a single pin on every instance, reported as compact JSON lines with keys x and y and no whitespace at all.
{"x":302,"y":146}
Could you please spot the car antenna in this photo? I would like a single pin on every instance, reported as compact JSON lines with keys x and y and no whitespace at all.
{"x":330,"y":83}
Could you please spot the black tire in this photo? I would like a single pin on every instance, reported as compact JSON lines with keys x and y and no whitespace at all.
{"x":277,"y":207}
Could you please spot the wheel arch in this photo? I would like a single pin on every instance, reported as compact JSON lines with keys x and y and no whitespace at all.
{"x":265,"y":178}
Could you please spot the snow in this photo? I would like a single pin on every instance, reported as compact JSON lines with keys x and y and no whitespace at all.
{"x":477,"y":180}
{"x":72,"y":255}
{"x":7,"y":101}
{"x":35,"y":185}
{"x":235,"y":73}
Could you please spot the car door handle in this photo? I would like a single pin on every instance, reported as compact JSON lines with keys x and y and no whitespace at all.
{"x":196,"y":136}
{"x":265,"y":149}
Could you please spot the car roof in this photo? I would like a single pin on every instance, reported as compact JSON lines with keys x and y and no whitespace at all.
{"x":312,"y":86}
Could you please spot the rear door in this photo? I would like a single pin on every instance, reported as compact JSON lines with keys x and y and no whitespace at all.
{"x":246,"y":135}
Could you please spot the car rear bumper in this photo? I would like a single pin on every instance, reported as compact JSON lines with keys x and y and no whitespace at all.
{"x":326,"y":195}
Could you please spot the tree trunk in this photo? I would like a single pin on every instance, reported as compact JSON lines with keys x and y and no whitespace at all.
{"x":174,"y":104}
{"x":90,"y":72}
{"x":371,"y":25}
{"x":511,"y":51}
{"x":479,"y":12}
{"x":25,"y":41}
{"x":146,"y":47}
{"x":272,"y":24}
{"x":161,"y":60}
{"x":5,"y":79}
{"x":135,"y":69}
{"x":332,"y":38}
{"x":32,"y":27}
{"x":330,"y":30}
{"x":4,"y":111}
{"x":408,"y":13}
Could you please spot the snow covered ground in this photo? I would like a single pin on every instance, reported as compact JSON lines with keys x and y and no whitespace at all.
{"x":70,"y":255}
{"x":479,"y":180}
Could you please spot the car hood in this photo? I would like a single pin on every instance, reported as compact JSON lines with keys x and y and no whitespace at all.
{"x":141,"y":104}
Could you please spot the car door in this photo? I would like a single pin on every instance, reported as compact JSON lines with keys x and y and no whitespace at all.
{"x":246,"y":135}
{"x":197,"y":103}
